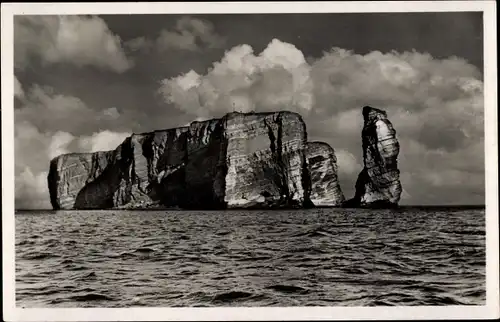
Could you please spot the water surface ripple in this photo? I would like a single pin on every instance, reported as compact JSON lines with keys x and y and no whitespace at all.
{"x":317,"y":257}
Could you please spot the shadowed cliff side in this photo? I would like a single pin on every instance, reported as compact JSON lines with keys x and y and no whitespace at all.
{"x":378,"y":184}
{"x":325,"y":188}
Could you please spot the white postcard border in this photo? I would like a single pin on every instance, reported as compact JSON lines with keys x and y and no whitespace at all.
{"x":490,"y":310}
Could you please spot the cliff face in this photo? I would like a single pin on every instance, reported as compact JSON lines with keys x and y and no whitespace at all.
{"x":243,"y":160}
{"x":70,"y":173}
{"x":322,"y":162}
{"x":266,"y":162}
{"x":240,"y":160}
{"x":378,"y":184}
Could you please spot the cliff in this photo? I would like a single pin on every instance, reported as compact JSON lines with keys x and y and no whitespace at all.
{"x":322,"y":163}
{"x":378,"y":184}
{"x":239,"y":161}
{"x":242,"y":160}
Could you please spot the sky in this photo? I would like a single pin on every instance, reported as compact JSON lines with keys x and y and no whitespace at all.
{"x":84,"y":83}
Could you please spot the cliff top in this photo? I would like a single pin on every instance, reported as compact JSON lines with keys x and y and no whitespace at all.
{"x":227,"y":116}
{"x":371,"y":114}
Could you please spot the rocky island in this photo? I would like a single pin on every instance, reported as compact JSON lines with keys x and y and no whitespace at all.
{"x":242,"y":160}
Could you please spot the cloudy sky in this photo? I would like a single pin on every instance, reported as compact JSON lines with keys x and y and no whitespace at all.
{"x":84,"y":83}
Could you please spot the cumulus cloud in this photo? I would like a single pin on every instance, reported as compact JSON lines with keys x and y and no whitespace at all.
{"x":31,"y":190}
{"x":189,"y":34}
{"x":138,"y":44}
{"x":101,"y":141}
{"x":45,"y":127}
{"x":78,"y":40}
{"x":18,"y":89}
{"x":49,"y":110}
{"x":436,"y":105}
{"x":347,"y":163}
{"x":111,"y":113}
{"x":34,"y":150}
{"x":277,"y":78}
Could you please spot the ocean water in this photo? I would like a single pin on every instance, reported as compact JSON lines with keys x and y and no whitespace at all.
{"x":318,"y":257}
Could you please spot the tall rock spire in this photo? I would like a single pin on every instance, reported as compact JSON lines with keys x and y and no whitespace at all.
{"x":378,"y":184}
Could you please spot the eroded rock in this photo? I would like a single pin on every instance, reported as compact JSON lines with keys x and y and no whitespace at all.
{"x":325,"y":188}
{"x":378,"y":184}
{"x":241,"y":160}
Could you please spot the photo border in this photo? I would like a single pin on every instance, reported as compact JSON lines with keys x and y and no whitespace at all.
{"x":490,"y":310}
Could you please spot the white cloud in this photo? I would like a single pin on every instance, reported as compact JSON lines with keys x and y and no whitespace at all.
{"x":59,"y":144}
{"x":78,"y":40}
{"x":101,"y":141}
{"x":278,"y":78}
{"x":111,"y":113}
{"x":34,"y":150}
{"x":18,"y":89}
{"x":52,"y":111}
{"x":188,"y":34}
{"x":46,"y":109}
{"x":138,"y":44}
{"x":347,"y":163}
{"x":31,"y":191}
{"x":435,"y":105}
{"x":44,"y":128}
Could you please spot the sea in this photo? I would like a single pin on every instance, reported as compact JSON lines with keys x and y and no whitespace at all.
{"x":317,"y":257}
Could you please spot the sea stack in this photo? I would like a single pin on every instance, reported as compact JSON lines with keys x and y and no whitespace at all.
{"x":378,"y":184}
{"x":242,"y":160}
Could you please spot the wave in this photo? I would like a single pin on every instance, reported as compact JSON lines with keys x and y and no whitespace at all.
{"x":231,"y":296}
{"x":90,"y":297}
{"x":474,"y":232}
{"x":476,"y":292}
{"x":443,"y":300}
{"x":39,"y":256}
{"x":317,"y":232}
{"x":90,"y":275}
{"x":288,"y":289}
{"x":25,"y":242}
{"x":144,"y":250}
{"x":254,"y":258}
{"x":355,"y":270}
{"x":325,"y":258}
{"x":72,"y":267}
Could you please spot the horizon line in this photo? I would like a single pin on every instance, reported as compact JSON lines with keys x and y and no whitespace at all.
{"x":180,"y":209}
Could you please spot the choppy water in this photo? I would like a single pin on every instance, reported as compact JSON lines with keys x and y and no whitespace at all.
{"x":319,"y":257}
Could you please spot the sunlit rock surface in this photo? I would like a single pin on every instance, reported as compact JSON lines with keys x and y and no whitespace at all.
{"x":378,"y":184}
{"x":325,"y":188}
{"x":241,"y":160}
{"x":266,"y":163}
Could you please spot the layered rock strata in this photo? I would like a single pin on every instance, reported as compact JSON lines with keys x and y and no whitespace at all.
{"x":266,"y":163}
{"x":241,"y":160}
{"x":325,"y":188}
{"x":378,"y":184}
